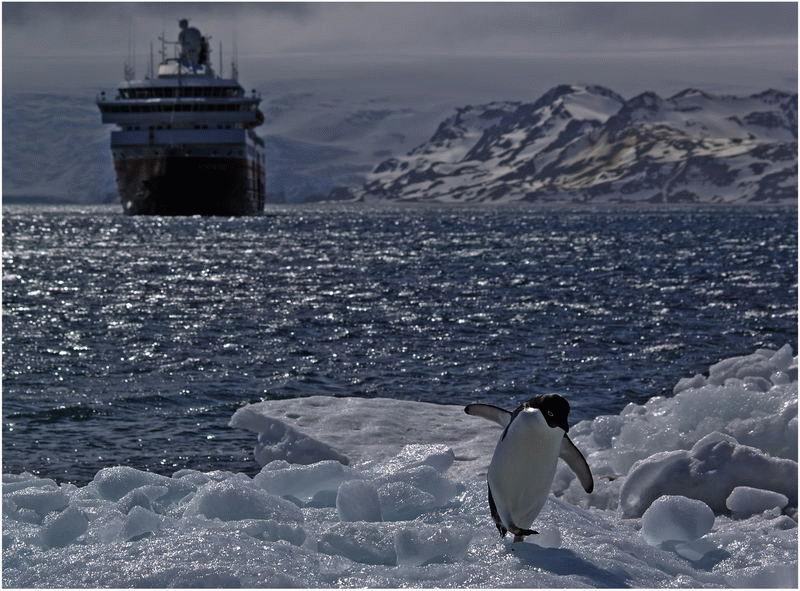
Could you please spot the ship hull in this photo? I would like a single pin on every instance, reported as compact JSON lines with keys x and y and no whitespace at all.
{"x":179,"y":185}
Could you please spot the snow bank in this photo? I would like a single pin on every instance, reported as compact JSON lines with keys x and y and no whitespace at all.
{"x":736,"y":427}
{"x":710,"y":471}
{"x":410,"y":509}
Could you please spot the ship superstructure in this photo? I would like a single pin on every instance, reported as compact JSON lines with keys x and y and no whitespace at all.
{"x":185,"y":143}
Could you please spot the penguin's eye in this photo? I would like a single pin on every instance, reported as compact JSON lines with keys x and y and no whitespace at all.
{"x":549,"y":413}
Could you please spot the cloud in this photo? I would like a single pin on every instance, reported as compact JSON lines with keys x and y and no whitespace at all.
{"x":334,"y":40}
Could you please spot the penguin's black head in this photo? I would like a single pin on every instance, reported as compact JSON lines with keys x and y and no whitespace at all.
{"x":554,"y":409}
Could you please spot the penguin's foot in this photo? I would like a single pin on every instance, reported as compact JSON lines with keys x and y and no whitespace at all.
{"x":519,"y":533}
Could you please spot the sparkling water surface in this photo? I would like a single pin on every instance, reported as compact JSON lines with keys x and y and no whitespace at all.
{"x":133,"y":340}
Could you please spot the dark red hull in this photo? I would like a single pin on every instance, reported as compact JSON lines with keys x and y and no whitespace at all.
{"x":190,"y":185}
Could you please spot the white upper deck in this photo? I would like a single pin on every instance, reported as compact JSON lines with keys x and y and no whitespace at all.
{"x":185,"y":93}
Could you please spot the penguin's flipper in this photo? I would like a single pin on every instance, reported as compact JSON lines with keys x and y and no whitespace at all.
{"x":490,"y":413}
{"x":577,"y":463}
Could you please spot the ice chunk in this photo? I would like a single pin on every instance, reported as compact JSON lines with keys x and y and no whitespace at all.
{"x":42,"y":500}
{"x":779,"y":378}
{"x":303,"y":482}
{"x":9,"y":477}
{"x":757,"y":383}
{"x":271,"y":530}
{"x":195,"y":477}
{"x":427,"y":479}
{"x":139,"y":523}
{"x":106,"y":528}
{"x":114,"y":483}
{"x":232,"y":500}
{"x":440,"y":457}
{"x":426,"y":544}
{"x":357,"y":500}
{"x":674,"y":518}
{"x":364,"y":542}
{"x":279,"y":441}
{"x":64,"y":528}
{"x":708,"y":472}
{"x":783,"y":359}
{"x":689,"y":383}
{"x":321,"y":498}
{"x":745,"y":501}
{"x":142,"y":497}
{"x":26,"y":482}
{"x":604,"y":429}
{"x":400,"y":501}
{"x":268,"y":530}
{"x":763,"y":363}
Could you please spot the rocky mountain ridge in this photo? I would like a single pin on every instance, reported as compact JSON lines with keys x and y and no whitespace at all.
{"x":587,"y":144}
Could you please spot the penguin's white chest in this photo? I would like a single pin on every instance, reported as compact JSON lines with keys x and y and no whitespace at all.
{"x":523,"y":466}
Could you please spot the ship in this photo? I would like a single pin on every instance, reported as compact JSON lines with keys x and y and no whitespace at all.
{"x":185,"y":141}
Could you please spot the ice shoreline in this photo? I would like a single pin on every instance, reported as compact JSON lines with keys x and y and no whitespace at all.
{"x":383,"y":492}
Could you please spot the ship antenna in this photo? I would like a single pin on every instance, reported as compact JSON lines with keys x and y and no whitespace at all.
{"x":133,"y":54}
{"x":221,"y":63}
{"x":234,"y":63}
{"x":151,"y":60}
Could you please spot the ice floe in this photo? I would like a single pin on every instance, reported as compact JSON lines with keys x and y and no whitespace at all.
{"x":699,"y":489}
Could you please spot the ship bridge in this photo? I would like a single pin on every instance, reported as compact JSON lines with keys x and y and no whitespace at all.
{"x":185,"y":94}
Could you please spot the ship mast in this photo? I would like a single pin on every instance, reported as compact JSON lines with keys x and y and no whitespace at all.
{"x":129,"y":68}
{"x":234,"y":62}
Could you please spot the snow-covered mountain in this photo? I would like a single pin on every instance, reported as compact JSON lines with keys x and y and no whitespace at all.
{"x":55,"y":148}
{"x":587,"y":144}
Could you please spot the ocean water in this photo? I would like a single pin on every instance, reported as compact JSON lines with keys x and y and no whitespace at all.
{"x":133,"y":340}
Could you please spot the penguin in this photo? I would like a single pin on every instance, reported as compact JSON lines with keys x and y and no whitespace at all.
{"x":524,"y":462}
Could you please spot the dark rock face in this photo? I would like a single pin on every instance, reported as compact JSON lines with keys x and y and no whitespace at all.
{"x":586,"y":144}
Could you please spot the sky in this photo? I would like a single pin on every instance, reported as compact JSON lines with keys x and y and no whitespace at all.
{"x":462,"y":52}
